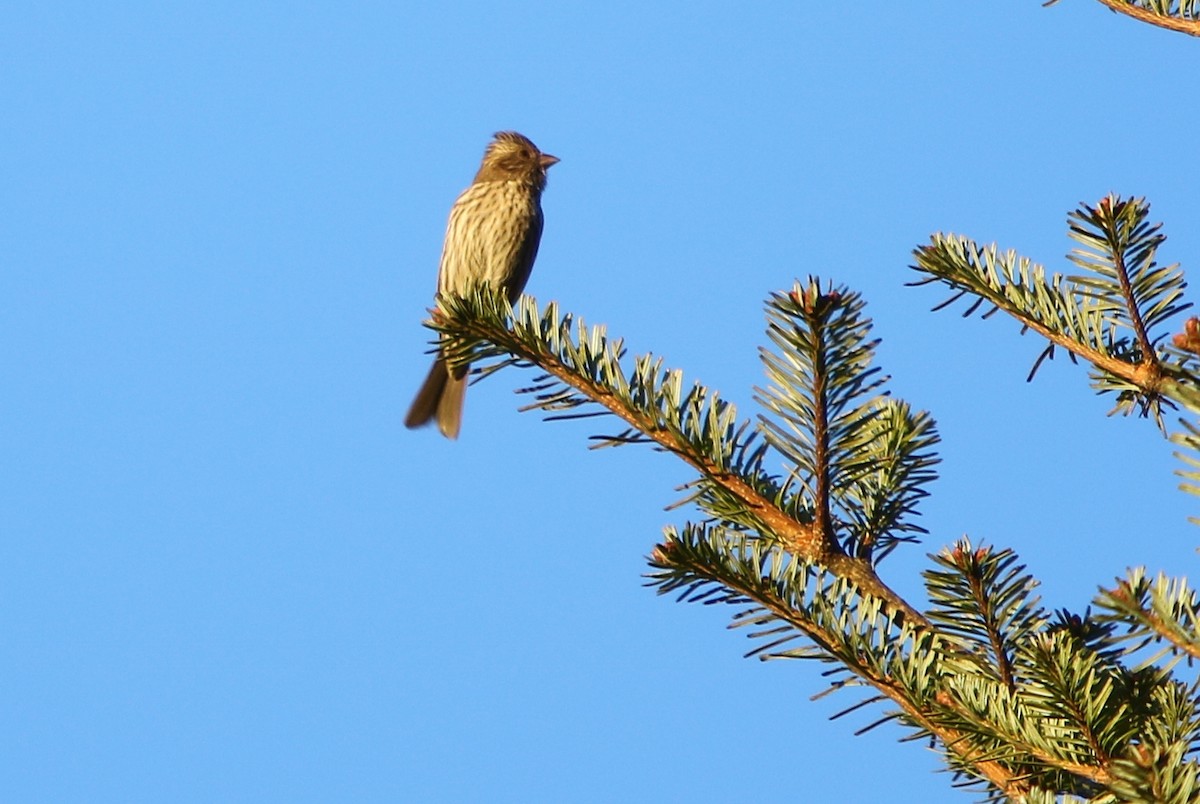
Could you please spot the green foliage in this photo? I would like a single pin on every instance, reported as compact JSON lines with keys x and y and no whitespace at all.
{"x":895,"y":456}
{"x":1004,"y":281}
{"x":1182,"y":16}
{"x":1189,"y":439}
{"x":790,"y":599}
{"x":1112,"y":317}
{"x":839,"y":436}
{"x":984,"y":599}
{"x":1118,"y":248}
{"x":1024,"y":704}
{"x":1183,"y":9}
{"x":1164,"y":612}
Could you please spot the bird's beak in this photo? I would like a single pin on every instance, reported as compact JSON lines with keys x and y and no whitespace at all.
{"x":546,"y":160}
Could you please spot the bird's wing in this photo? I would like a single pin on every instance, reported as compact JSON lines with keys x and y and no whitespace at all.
{"x":525,"y":256}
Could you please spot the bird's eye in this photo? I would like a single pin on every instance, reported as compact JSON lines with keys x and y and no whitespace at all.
{"x":526,"y":154}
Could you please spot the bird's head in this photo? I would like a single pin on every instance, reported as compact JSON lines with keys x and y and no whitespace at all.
{"x":512,"y":157}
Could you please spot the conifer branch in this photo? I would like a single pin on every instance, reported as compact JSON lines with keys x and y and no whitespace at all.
{"x":1112,"y":317}
{"x":1000,"y":726}
{"x":819,"y":334}
{"x":1015,"y":701}
{"x":590,"y":368}
{"x":1118,"y":248}
{"x":1189,"y":438}
{"x":986,"y":598}
{"x":1052,"y":308}
{"x":1182,"y":16}
{"x":862,"y":457}
{"x":902,"y":662}
{"x":910,"y":672}
{"x":695,"y":426}
{"x":1173,"y":15}
{"x":1122,"y":223}
{"x":1165,"y":609}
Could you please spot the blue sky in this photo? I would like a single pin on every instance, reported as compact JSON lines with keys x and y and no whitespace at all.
{"x":229,"y":573}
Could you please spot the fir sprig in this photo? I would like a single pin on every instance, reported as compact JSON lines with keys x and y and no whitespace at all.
{"x":584,"y":373}
{"x":985,"y":598}
{"x":1160,"y":611}
{"x":864,"y":460}
{"x":1112,"y":317}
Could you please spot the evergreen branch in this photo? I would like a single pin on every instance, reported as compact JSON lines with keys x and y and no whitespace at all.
{"x":1157,"y":774}
{"x":793,"y":597}
{"x":715,"y":564}
{"x":821,"y":370}
{"x":1162,"y":767}
{"x":987,"y":731}
{"x":1181,"y":16}
{"x":696,"y":426}
{"x":1166,"y":609}
{"x":1012,"y":703}
{"x":1119,"y":247}
{"x":1055,"y":699}
{"x":1126,"y":291}
{"x":1055,"y":309}
{"x":1004,"y":727}
{"x":1188,"y":438}
{"x":1087,"y":698}
{"x":863,"y":459}
{"x":1073,"y":718}
{"x":896,"y":453}
{"x":986,"y":599}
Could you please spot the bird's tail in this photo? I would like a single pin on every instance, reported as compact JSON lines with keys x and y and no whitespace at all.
{"x":441,"y":396}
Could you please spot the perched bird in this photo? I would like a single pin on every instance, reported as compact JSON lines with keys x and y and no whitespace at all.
{"x":493,"y":234}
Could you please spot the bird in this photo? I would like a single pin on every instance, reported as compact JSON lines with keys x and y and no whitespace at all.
{"x":492,"y":238}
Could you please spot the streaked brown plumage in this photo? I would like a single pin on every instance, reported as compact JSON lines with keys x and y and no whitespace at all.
{"x":492,"y":236}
